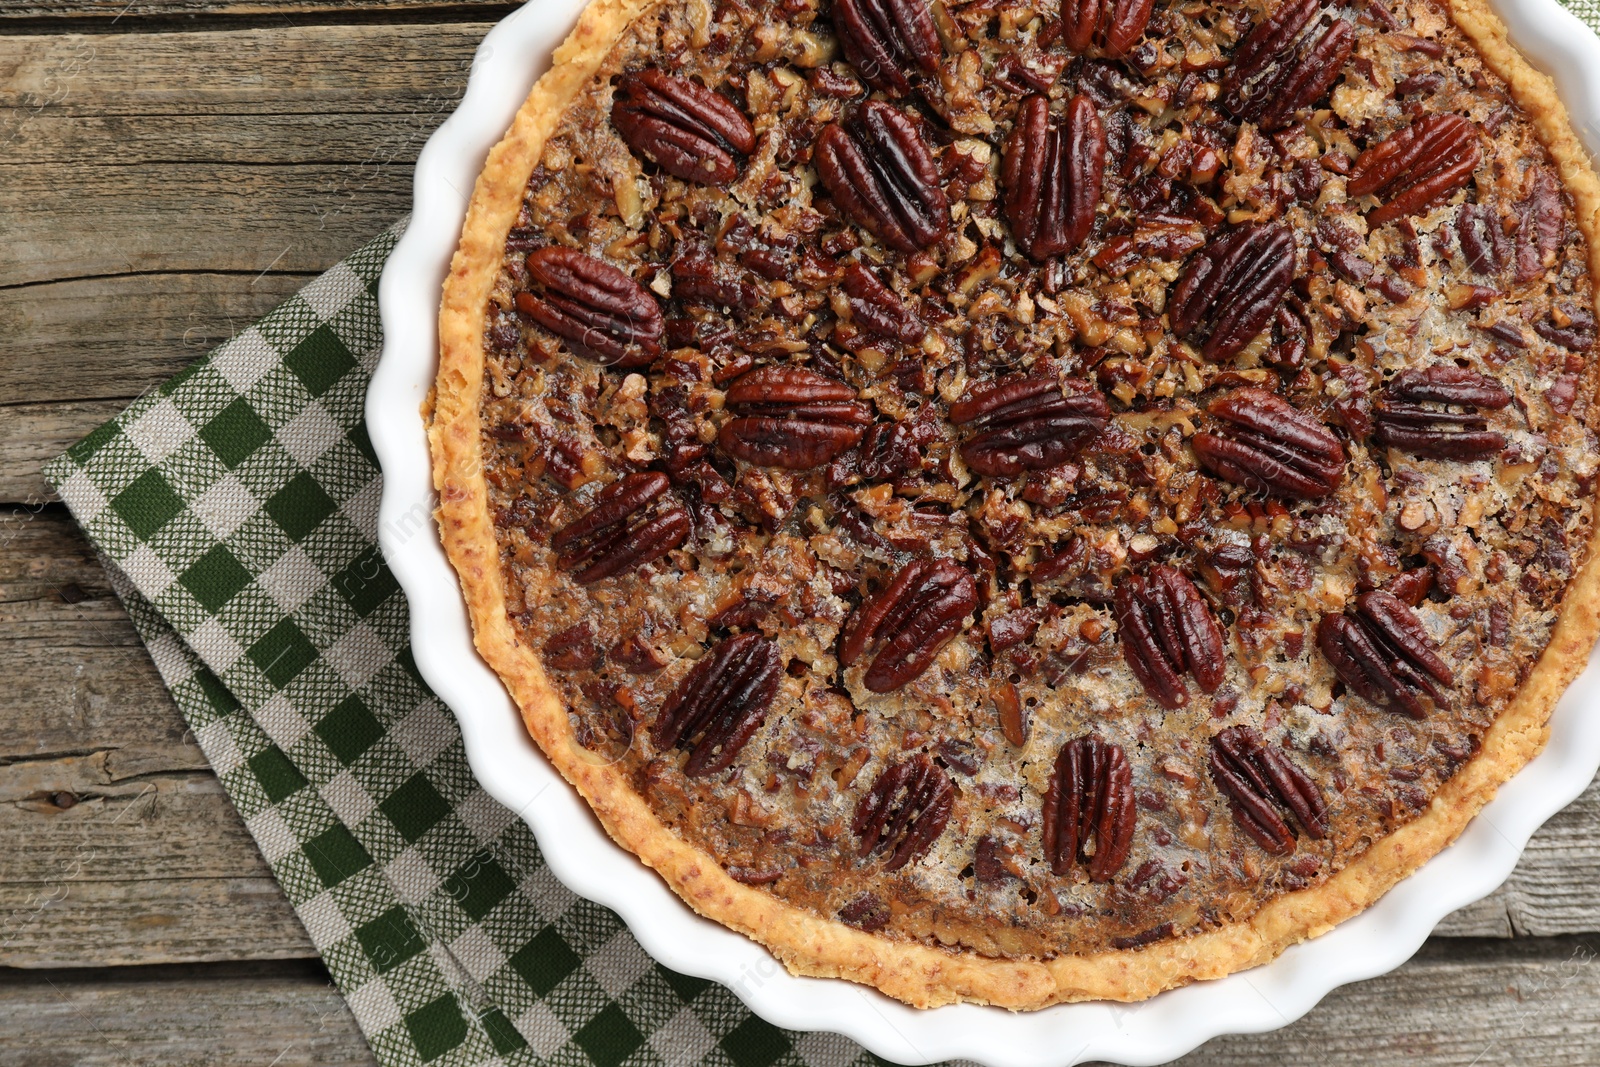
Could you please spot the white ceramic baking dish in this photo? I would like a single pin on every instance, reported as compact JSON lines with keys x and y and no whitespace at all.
{"x":581,"y":855}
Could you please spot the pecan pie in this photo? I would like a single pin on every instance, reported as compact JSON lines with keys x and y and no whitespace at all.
{"x":1029,"y":502}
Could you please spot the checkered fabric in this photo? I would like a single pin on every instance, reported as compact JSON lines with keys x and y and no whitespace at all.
{"x":236,"y":508}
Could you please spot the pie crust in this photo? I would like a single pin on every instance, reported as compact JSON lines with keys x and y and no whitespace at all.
{"x":921,"y":974}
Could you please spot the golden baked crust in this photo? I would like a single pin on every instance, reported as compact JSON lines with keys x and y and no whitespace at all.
{"x":917,"y":973}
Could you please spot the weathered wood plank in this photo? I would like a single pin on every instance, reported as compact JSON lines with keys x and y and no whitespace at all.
{"x":275,"y":219}
{"x":239,"y":165}
{"x":119,"y":844}
{"x":264,"y":149}
{"x":31,"y":435}
{"x":244,"y":73}
{"x":112,"y":338}
{"x":83,"y":923}
{"x":128,"y":13}
{"x":283,"y":1015}
{"x":121,"y":814}
{"x":1455,"y":1005}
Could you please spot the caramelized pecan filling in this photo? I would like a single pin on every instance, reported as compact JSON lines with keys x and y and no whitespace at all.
{"x":1040,"y":479}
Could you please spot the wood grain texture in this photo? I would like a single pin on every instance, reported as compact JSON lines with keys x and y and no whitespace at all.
{"x":130,"y":13}
{"x":1455,"y":1005}
{"x":283,"y":1016}
{"x":117,"y":923}
{"x":119,"y":844}
{"x":119,"y":335}
{"x":296,"y":143}
{"x":31,"y":435}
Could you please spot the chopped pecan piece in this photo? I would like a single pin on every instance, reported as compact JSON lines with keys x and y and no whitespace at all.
{"x":1089,"y":809}
{"x":1384,"y":654}
{"x":687,"y":130}
{"x":882,"y":176}
{"x":1263,"y":785}
{"x":1415,"y":168}
{"x":1484,"y":243}
{"x":573,"y":649}
{"x":866,"y":912}
{"x":1266,"y":43}
{"x":905,"y":811}
{"x":876,"y":309}
{"x":1155,"y":236}
{"x":791,"y":417}
{"x":888,"y":452}
{"x":1111,"y":26}
{"x":1025,"y":423}
{"x":602,"y":312}
{"x":1406,"y":422}
{"x":1167,"y":632}
{"x":1266,"y":443}
{"x":1013,"y":713}
{"x":1539,"y":225}
{"x":1284,"y":65}
{"x":697,"y":277}
{"x":1232,"y":290}
{"x":755,"y":875}
{"x":720,"y":703}
{"x":884,"y":39}
{"x":1574,"y":331}
{"x":1052,"y":176}
{"x":634,"y":520}
{"x":914,"y":617}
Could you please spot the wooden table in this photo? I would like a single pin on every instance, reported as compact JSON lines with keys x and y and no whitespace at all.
{"x":172,"y":169}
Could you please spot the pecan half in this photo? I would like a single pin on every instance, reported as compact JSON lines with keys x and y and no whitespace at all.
{"x":1415,"y":168}
{"x":1234,"y":287}
{"x":1384,"y":654}
{"x":884,"y":39}
{"x":1284,"y":65}
{"x":634,"y":520}
{"x":1025,"y":423}
{"x":905,"y":811}
{"x":1168,"y":631}
{"x":875,"y":308}
{"x":1111,"y":26}
{"x":1266,"y":443}
{"x":791,"y":417}
{"x":1089,"y":809}
{"x":1263,"y":786}
{"x":1052,"y":174}
{"x":720,"y":703}
{"x":689,"y":131}
{"x":601,"y":311}
{"x":881,"y":174}
{"x":914,"y":617}
{"x":1406,"y":421}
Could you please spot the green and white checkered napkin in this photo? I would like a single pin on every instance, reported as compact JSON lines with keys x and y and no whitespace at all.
{"x":236,"y":510}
